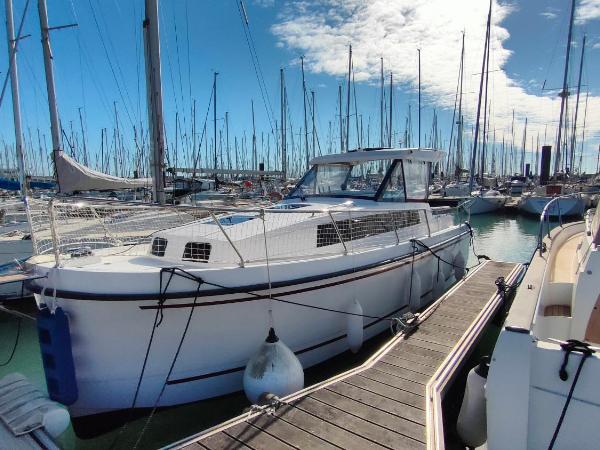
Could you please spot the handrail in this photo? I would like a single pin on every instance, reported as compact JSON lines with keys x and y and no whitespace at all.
{"x":544,"y":216}
{"x":333,"y":209}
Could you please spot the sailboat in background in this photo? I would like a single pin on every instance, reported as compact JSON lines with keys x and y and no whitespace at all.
{"x":534,"y":202}
{"x":483,"y":200}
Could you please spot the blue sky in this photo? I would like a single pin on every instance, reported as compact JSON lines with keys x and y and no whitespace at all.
{"x":100,"y":62}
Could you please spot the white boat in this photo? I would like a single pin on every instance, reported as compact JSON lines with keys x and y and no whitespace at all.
{"x":335,"y":240}
{"x":485,"y":202}
{"x":516,"y":185}
{"x":542,"y":387}
{"x":534,"y":202}
{"x":457,"y":189}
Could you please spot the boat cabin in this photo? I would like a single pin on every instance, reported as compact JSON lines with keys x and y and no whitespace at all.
{"x":381,"y":175}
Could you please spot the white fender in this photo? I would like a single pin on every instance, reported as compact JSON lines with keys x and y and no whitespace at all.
{"x":354,"y":326}
{"x":459,"y":266}
{"x":415,"y":293}
{"x":472,"y":422}
{"x":274,"y":369}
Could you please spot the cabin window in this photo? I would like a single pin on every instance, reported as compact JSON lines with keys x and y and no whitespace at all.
{"x":394,"y":187}
{"x":159,"y":246}
{"x":359,"y":180}
{"x":365,"y":226}
{"x":416,"y":179}
{"x":196,"y":251}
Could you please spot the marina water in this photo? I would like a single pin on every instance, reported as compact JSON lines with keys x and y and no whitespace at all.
{"x":502,"y":237}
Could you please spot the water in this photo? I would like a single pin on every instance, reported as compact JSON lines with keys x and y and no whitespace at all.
{"x":501,"y":237}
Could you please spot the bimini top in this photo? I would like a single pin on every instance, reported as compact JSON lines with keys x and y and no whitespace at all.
{"x":362,"y":155}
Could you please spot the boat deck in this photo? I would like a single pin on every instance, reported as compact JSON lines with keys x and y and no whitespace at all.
{"x":391,"y":401}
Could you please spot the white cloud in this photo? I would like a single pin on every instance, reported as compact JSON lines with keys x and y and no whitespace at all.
{"x":264,"y":3}
{"x":322,"y":30}
{"x":549,"y":15}
{"x":588,"y":10}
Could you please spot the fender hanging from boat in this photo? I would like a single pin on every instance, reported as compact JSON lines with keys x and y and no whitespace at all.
{"x":57,"y":355}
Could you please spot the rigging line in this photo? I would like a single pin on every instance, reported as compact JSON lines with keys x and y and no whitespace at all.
{"x":179,"y":66}
{"x":15,"y":345}
{"x":17,"y":40}
{"x":110,"y":64}
{"x":203,"y":132}
{"x":187,"y":33}
{"x":258,"y":72}
{"x":171,"y":76}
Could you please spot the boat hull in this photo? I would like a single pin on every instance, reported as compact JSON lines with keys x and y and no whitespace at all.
{"x":110,"y":333}
{"x":570,"y":206}
{"x":483,"y":205}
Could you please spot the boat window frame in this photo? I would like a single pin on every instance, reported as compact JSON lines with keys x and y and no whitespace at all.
{"x":315,"y":167}
{"x":386,"y":178}
{"x":378,"y":196}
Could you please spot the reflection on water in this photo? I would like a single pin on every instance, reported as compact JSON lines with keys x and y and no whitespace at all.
{"x":501,"y":237}
{"x":504,"y":237}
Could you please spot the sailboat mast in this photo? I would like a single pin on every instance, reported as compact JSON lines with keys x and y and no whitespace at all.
{"x":476,"y":136}
{"x":50,"y":87}
{"x":215,"y":158}
{"x":154,"y":100}
{"x":572,"y":156}
{"x":564,"y":93}
{"x":341,"y":124}
{"x":305,"y":120}
{"x":348,"y":99}
{"x":381,"y":108}
{"x":14,"y":84}
{"x":283,"y":127}
{"x":459,"y":138}
{"x":391,"y":108}
{"x":419,"y":56}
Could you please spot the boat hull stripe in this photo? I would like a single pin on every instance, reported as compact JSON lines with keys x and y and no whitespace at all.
{"x":382,"y":266}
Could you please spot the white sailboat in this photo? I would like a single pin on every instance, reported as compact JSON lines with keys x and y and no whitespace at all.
{"x":485,"y":202}
{"x":542,"y":385}
{"x":535,"y":201}
{"x":340,"y":237}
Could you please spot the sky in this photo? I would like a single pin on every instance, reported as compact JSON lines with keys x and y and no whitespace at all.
{"x":99,"y":68}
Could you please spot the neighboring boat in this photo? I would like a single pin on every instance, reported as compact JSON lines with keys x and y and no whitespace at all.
{"x":516,"y":185}
{"x":457,"y":189}
{"x":337,"y":239}
{"x":534,"y":202}
{"x":485,"y":202}
{"x":542,"y":385}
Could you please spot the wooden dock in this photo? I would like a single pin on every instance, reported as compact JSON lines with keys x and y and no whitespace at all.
{"x":391,"y":401}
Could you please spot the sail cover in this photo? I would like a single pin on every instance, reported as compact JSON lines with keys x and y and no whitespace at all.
{"x":73,"y":176}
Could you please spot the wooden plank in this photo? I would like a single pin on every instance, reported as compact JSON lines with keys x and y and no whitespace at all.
{"x":411,"y":365}
{"x":372,"y":400}
{"x":435,"y":338}
{"x":404,"y":430}
{"x":416,"y":400}
{"x":328,"y":431}
{"x":289,"y":433}
{"x":357,"y":425}
{"x":421,"y":353}
{"x":255,"y":438}
{"x":393,"y":380}
{"x":407,"y":374}
{"x":432,"y":330}
{"x":220,"y":441}
{"x":459,"y":325}
{"x":416,"y":340}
